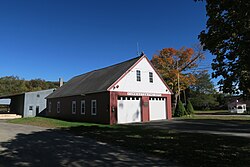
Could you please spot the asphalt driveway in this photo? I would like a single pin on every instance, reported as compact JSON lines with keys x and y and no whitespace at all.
{"x":240,"y":128}
{"x":22,"y":145}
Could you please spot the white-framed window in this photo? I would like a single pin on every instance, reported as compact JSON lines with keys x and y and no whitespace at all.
{"x":151,"y":77}
{"x":73,"y":107}
{"x":138,"y":75}
{"x":50,"y":105}
{"x":93,"y":107}
{"x":83,"y":107}
{"x":58,"y":107}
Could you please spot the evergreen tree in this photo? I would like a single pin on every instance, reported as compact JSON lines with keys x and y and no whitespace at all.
{"x":180,"y":110}
{"x":190,"y":109}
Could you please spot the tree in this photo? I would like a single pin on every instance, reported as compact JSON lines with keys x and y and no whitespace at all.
{"x":13,"y":85}
{"x":227,"y":36}
{"x":190,"y":109}
{"x":180,"y":110}
{"x":173,"y":65}
{"x":203,"y":94}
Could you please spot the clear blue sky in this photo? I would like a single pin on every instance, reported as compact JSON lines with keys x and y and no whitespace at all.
{"x":49,"y":39}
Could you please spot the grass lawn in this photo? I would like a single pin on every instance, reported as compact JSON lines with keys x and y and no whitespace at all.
{"x":186,"y":149}
{"x":50,"y":123}
{"x":217,"y":115}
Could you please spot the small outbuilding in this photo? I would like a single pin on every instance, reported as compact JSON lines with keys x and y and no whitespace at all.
{"x":237,"y":106}
{"x":28,"y":104}
{"x":131,"y":91}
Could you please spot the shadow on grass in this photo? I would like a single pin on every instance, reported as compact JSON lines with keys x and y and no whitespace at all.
{"x":188,"y":149}
{"x":212,"y":126}
{"x":58,"y":147}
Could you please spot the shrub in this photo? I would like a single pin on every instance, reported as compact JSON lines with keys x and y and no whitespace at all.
{"x":180,"y":110}
{"x":190,"y":109}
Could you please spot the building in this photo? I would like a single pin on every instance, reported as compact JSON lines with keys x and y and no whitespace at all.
{"x":131,"y":91}
{"x":237,"y":104}
{"x":28,"y":104}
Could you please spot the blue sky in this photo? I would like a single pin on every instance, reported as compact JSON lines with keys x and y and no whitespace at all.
{"x":49,"y":39}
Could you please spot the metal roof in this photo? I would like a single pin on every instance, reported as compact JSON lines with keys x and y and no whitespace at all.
{"x":94,"y":81}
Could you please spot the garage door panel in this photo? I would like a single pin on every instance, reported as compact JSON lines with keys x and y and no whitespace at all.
{"x":129,"y":110}
{"x":157,"y":108}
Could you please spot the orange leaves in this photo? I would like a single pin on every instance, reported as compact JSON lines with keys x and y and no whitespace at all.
{"x":169,"y":62}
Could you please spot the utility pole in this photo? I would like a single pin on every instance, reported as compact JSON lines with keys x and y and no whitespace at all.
{"x":178,"y":80}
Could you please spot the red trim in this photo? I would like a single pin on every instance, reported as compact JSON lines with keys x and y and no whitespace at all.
{"x":145,"y":108}
{"x":159,"y":75}
{"x":125,"y":73}
{"x":168,"y":106}
{"x":133,"y":67}
{"x":113,"y":105}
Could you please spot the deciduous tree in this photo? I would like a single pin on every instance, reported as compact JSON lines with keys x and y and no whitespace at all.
{"x":170,"y":63}
{"x":202,"y":94}
{"x":227,"y":35}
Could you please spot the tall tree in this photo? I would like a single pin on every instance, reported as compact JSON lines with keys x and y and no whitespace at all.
{"x":174,"y":66}
{"x":203,"y":94}
{"x":227,"y":36}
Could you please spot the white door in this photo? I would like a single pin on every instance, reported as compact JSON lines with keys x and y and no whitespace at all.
{"x":157,"y":108}
{"x":129,"y":109}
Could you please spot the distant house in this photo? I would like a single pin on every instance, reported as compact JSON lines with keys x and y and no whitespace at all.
{"x":28,"y":104}
{"x":237,"y":104}
{"x":131,"y":91}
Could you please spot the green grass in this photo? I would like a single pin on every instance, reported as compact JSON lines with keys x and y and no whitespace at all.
{"x":185,"y":149}
{"x":50,"y":123}
{"x":211,"y":112}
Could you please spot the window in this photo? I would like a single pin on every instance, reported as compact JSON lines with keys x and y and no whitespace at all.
{"x":83,"y":107}
{"x":93,"y":107}
{"x":73,"y":107}
{"x":150,"y":77}
{"x":138,"y":75}
{"x":50,"y":106}
{"x":58,"y":107}
{"x":30,"y":107}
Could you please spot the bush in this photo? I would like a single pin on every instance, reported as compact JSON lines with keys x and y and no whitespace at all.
{"x":190,"y":109}
{"x":180,"y":110}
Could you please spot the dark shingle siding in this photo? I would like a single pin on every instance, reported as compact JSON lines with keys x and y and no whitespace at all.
{"x":94,"y":81}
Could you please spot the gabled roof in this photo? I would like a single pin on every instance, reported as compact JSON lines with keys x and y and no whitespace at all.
{"x":94,"y":81}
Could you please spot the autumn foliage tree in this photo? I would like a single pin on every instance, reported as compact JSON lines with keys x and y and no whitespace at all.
{"x":170,"y":63}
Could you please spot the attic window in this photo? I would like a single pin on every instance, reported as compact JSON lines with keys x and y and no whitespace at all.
{"x":138,"y":75}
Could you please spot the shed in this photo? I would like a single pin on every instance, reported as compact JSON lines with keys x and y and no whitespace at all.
{"x":28,"y":104}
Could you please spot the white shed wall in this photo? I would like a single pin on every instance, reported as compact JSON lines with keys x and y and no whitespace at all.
{"x":129,"y":83}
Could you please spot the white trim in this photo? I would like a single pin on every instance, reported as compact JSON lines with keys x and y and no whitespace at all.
{"x":93,"y":107}
{"x":58,"y":107}
{"x":73,"y":109}
{"x":83,"y":107}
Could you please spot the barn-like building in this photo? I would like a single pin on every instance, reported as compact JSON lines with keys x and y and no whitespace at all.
{"x":131,"y":91}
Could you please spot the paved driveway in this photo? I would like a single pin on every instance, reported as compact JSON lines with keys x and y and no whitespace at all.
{"x":34,"y":146}
{"x":239,"y":128}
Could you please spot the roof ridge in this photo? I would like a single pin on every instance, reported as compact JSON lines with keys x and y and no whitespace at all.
{"x":138,"y":57}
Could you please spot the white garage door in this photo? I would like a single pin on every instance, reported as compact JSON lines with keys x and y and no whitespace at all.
{"x":129,"y":109}
{"x":157,"y":108}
